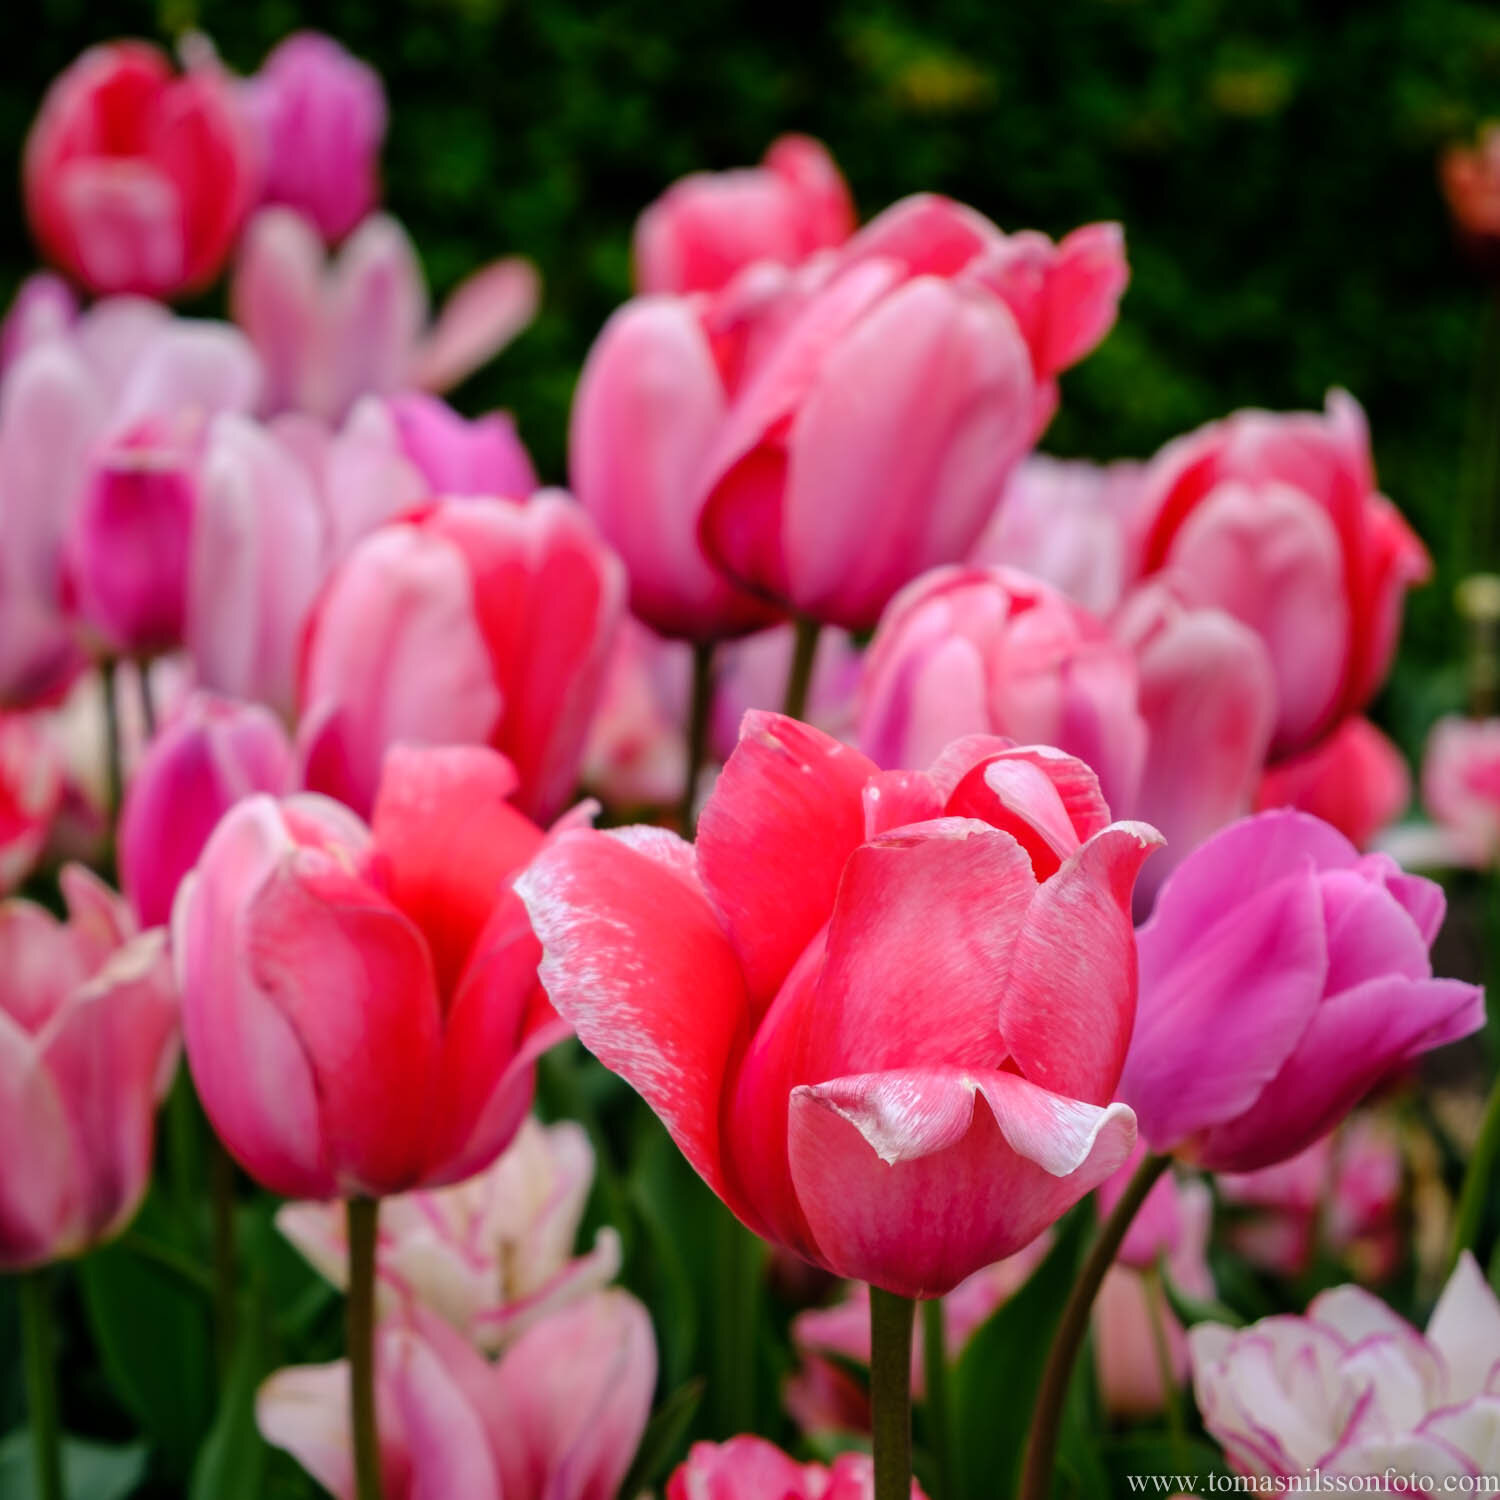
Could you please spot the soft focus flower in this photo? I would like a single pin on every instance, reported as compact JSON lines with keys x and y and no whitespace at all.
{"x":559,"y":1417}
{"x":753,"y":671}
{"x":213,"y":753}
{"x":43,"y":308}
{"x":1470,"y":177}
{"x":710,"y":225}
{"x":1282,"y":975}
{"x":321,"y":117}
{"x":330,"y":331}
{"x":750,"y":1468}
{"x":1276,"y":519}
{"x":457,"y":456}
{"x":137,"y":179}
{"x":31,"y":789}
{"x":492,"y":1256}
{"x":1351,"y":1389}
{"x":88,"y":1034}
{"x":1460,"y":793}
{"x":881,"y":1013}
{"x":1355,"y":779}
{"x":469,"y":622}
{"x":990,"y":651}
{"x":360,"y":1004}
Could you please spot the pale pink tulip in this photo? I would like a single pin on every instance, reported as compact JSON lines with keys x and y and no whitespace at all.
{"x":1460,"y":793}
{"x":1355,"y":779}
{"x":43,"y":308}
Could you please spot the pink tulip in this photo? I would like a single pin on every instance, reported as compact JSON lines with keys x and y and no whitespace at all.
{"x":1461,"y":791}
{"x":1350,"y":1389}
{"x":558,"y":1418}
{"x":472,"y":622}
{"x":31,"y":789}
{"x":853,"y":1004}
{"x":990,"y":651}
{"x":360,"y":1003}
{"x":321,"y":117}
{"x":1276,"y":519}
{"x":137,"y":180}
{"x":708,"y":226}
{"x":44,"y":307}
{"x":750,"y":1468}
{"x":211,"y":755}
{"x":1282,"y":975}
{"x":457,"y":456}
{"x":1355,"y":779}
{"x":88,"y":1046}
{"x":492,"y":1256}
{"x":329,"y":332}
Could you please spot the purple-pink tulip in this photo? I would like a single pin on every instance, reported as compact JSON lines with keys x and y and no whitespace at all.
{"x":1282,"y":975}
{"x":459,"y":456}
{"x":88,"y":1045}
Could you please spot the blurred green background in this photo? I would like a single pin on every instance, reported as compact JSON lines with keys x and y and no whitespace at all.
{"x":1273,"y":162}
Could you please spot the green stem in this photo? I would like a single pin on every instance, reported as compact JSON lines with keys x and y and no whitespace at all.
{"x":890,"y":1392}
{"x":41,"y":1384}
{"x":148,"y":698}
{"x":226,"y":1272}
{"x":1156,"y":1299}
{"x":113,"y":754}
{"x":363,"y":1219}
{"x":799,"y":679}
{"x":1041,"y":1448}
{"x":939,"y":1409}
{"x":737,"y":1270}
{"x":698,"y":720}
{"x":1478,"y":1177}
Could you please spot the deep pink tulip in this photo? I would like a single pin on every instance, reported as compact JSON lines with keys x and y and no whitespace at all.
{"x":1282,"y":976}
{"x":750,"y":1468}
{"x":473,"y":622}
{"x":457,"y":456}
{"x":992,"y":651}
{"x":137,"y":179}
{"x":332,"y":331}
{"x":1355,"y":779}
{"x":881,"y":1013}
{"x":214,"y":753}
{"x":31,"y":790}
{"x":708,"y":226}
{"x":559,"y":1417}
{"x":88,"y":1045}
{"x":1276,"y":519}
{"x":360,"y":1003}
{"x":321,"y":117}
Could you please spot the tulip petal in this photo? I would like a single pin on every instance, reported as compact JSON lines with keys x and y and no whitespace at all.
{"x":304,"y":1410}
{"x":41,"y":1201}
{"x":1465,"y":1330}
{"x":275,"y":295}
{"x":444,"y":1435}
{"x":484,"y":313}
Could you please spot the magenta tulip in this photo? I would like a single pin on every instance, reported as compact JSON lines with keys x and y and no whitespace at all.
{"x":457,"y":456}
{"x":750,"y":1468}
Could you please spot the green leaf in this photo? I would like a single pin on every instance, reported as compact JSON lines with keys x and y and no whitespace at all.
{"x":1161,"y":1453}
{"x":91,"y":1471}
{"x":661,"y":1443}
{"x":232,"y":1462}
{"x":1191,"y":1310}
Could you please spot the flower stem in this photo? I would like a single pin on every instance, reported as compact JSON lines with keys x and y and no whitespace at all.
{"x":799,"y":679}
{"x":939,"y":1412}
{"x":363,"y":1216}
{"x":890,"y":1392}
{"x":148,"y":698}
{"x":113,"y":752}
{"x":1478,"y":1177}
{"x":226,"y":1268}
{"x":41,"y":1384}
{"x":1041,"y":1448}
{"x":698,"y":719}
{"x":738,"y":1266}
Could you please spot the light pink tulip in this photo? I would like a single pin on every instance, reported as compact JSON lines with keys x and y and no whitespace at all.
{"x":1276,"y":519}
{"x":321,"y":117}
{"x":88,"y":1045}
{"x":1350,"y":1389}
{"x":492,"y":1256}
{"x":559,"y":1417}
{"x":44,"y":307}
{"x":330,"y":332}
{"x":990,"y":651}
{"x":461,"y":457}
{"x":1460,"y":793}
{"x":1355,"y":779}
{"x":31,"y":790}
{"x":213,"y":753}
{"x":708,"y":226}
{"x":1282,"y":975}
{"x":472,"y":622}
{"x":750,"y":1468}
{"x":137,"y":180}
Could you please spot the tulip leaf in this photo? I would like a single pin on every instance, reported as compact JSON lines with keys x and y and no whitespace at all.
{"x":1160,"y":1453}
{"x":1191,"y":1310}
{"x":661,"y":1443}
{"x":91,"y":1471}
{"x":232,"y":1462}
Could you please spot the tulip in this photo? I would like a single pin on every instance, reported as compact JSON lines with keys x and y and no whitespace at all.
{"x":989,"y":651}
{"x":304,"y":939}
{"x":492,"y":1256}
{"x":1276,"y":519}
{"x":1350,"y":1389}
{"x":88,"y":1046}
{"x":1460,"y":793}
{"x":138,"y":180}
{"x":31,"y":790}
{"x":758,"y":990}
{"x":1356,"y":779}
{"x":708,"y":226}
{"x":1470,"y":178}
{"x":460,"y":457}
{"x":1282,"y":975}
{"x":321,"y":117}
{"x":471,"y":622}
{"x":750,"y":1468}
{"x":558,"y":1418}
{"x":211,"y":755}
{"x":329,"y":332}
{"x":44,"y":307}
